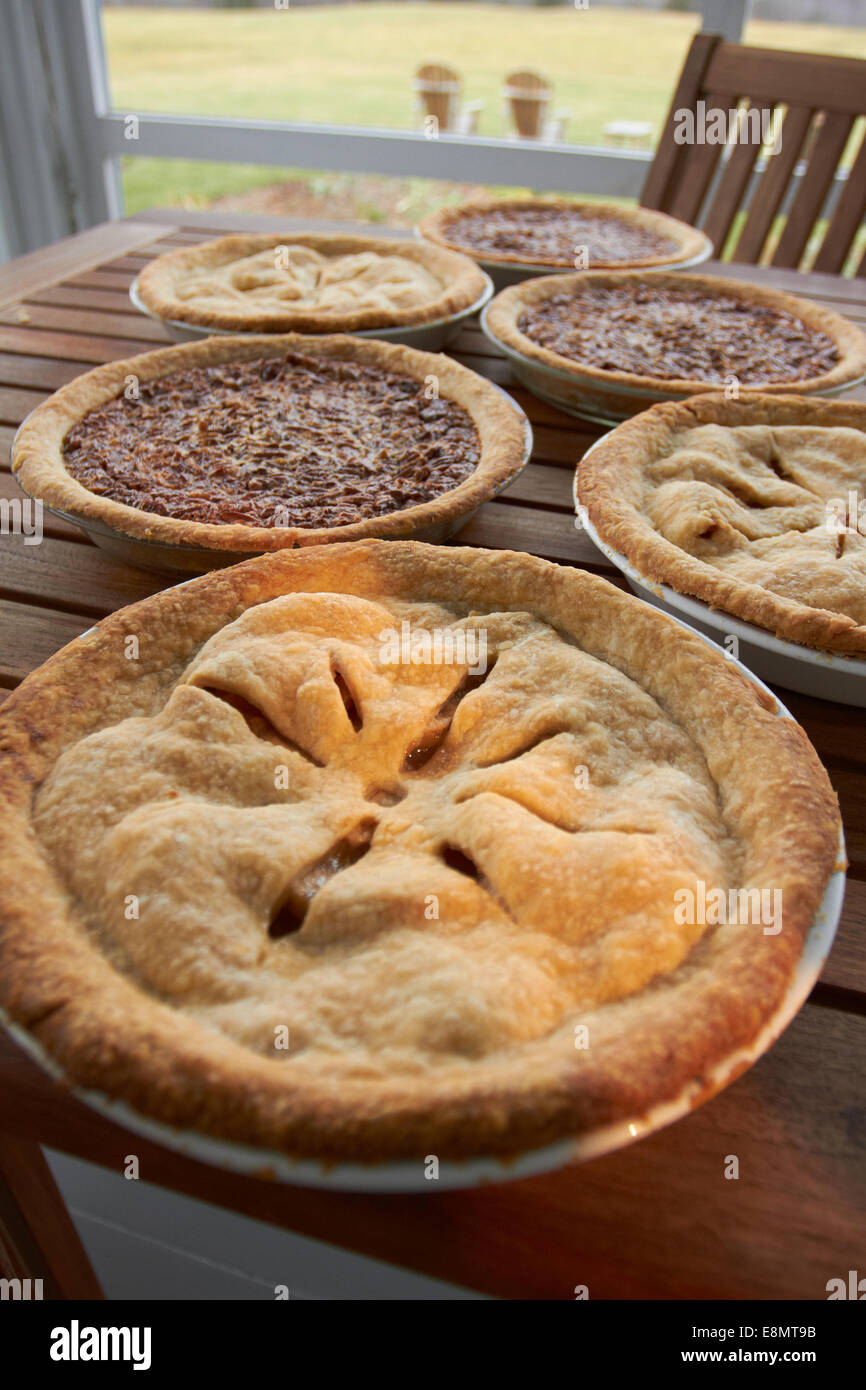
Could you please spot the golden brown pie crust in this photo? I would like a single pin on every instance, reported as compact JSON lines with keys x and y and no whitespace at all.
{"x":695,"y":443}
{"x":451,"y":1035}
{"x":37,"y":457}
{"x":459,"y":284}
{"x":505,"y":311}
{"x":440,"y":227}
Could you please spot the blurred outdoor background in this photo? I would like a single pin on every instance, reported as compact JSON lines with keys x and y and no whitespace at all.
{"x":354,"y":64}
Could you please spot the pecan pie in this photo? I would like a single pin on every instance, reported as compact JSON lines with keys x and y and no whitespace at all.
{"x":366,"y":836}
{"x":615,"y":342}
{"x":552,"y":232}
{"x":257,"y":443}
{"x":757,"y":506}
{"x":309,"y":284}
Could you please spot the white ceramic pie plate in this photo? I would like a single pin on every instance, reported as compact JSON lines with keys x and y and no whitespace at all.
{"x":827,"y":675}
{"x":504,"y":273}
{"x":408,"y":1176}
{"x":429,"y":337}
{"x":187,"y":559}
{"x":605,"y":402}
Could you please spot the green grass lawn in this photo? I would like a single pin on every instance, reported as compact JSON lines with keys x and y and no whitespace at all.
{"x":354,"y":65}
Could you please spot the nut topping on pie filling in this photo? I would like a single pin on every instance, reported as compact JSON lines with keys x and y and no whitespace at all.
{"x":678,"y":334}
{"x":555,"y":234}
{"x":287,"y":441}
{"x":407,"y":864}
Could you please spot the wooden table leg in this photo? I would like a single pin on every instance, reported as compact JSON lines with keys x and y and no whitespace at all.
{"x":37,"y":1237}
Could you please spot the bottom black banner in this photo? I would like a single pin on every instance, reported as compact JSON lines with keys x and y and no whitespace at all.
{"x":82,"y":1339}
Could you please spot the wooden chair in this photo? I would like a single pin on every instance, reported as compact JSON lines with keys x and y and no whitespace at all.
{"x":41,"y":1255}
{"x":816,"y":100}
{"x":439,"y":93}
{"x":527,"y":98}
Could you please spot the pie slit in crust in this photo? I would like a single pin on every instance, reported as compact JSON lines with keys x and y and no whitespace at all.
{"x":430,"y":871}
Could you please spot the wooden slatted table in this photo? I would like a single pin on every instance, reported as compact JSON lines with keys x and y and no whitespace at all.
{"x":656,"y":1220}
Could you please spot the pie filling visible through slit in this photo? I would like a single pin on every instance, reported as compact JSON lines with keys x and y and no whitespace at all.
{"x":289,"y":441}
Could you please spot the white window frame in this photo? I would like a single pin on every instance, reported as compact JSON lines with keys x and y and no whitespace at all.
{"x":60,"y":160}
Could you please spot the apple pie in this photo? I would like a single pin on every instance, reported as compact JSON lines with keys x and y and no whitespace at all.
{"x":756,"y":506}
{"x":309,"y":283}
{"x":377,"y":851}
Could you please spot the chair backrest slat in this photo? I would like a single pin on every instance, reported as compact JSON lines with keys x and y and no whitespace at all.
{"x":770,"y":192}
{"x":733,"y":182}
{"x":696,"y":175}
{"x":846,"y":219}
{"x":662,"y":174}
{"x":821,"y":96}
{"x":812,"y":193}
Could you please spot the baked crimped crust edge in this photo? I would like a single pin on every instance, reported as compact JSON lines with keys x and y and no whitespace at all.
{"x":37,"y":454}
{"x":463,"y":284}
{"x":437,"y":227}
{"x":615,"y":466}
{"x":506,"y":308}
{"x":108,"y":1035}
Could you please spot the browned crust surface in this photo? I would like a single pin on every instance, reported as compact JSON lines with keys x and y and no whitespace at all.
{"x":38,"y":460}
{"x":440,"y":227}
{"x":610,"y":484}
{"x":504,"y":312}
{"x":106,"y":1033}
{"x":462,"y":284}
